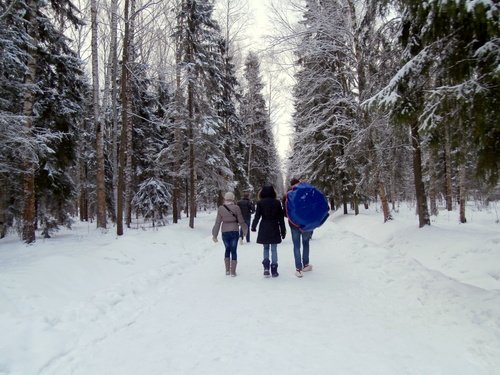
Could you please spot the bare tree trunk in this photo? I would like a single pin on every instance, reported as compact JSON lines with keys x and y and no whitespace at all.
{"x":355,"y":202}
{"x":344,"y":192}
{"x":422,"y":210}
{"x":4,"y":204}
{"x":463,"y":192}
{"x":100,"y":177}
{"x":448,"y":170}
{"x":129,"y":166}
{"x":192,"y":185}
{"x":191,"y":157}
{"x":433,"y":182}
{"x":114,"y":98}
{"x":123,"y":136}
{"x":177,"y":132}
{"x":250,"y":153}
{"x":384,"y":201}
{"x":84,"y":194}
{"x":29,"y":209}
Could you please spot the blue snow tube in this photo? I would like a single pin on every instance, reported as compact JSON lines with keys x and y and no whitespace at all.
{"x":307,"y":207}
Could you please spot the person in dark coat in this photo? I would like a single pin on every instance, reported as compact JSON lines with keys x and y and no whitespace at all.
{"x":271,"y":229}
{"x":247,"y":208}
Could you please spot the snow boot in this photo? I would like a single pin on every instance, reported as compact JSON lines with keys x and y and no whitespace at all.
{"x":233,"y":267}
{"x":226,"y":262}
{"x":274,"y":270}
{"x":266,"y":263}
{"x":298,"y":272}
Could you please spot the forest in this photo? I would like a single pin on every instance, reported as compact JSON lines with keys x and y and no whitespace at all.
{"x":113,"y":110}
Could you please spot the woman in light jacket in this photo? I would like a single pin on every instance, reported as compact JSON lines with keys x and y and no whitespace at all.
{"x":230,"y":218}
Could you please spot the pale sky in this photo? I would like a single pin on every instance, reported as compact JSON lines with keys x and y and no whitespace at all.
{"x":261,"y":26}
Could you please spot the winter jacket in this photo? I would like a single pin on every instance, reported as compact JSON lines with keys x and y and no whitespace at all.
{"x":247,"y":208}
{"x":230,"y":220}
{"x":272,"y":227}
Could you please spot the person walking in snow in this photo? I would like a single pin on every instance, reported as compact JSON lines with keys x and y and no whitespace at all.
{"x":301,"y":260}
{"x":230,"y":219}
{"x":247,"y":208}
{"x":271,"y":228}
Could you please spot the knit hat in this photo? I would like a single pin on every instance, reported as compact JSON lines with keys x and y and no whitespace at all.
{"x":229,"y":196}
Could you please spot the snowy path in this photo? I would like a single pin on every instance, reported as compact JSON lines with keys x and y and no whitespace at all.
{"x":364,"y":309}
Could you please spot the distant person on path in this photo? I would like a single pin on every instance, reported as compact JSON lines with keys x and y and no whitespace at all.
{"x":301,"y":260}
{"x":230,"y":218}
{"x":271,"y":229}
{"x":247,"y":208}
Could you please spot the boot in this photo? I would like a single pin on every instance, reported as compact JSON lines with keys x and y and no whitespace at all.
{"x":274,"y":270}
{"x":266,"y":263}
{"x":233,"y":267}
{"x":226,"y":262}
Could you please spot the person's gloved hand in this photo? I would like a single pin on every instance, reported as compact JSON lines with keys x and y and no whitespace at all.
{"x":215,"y":239}
{"x":283,"y":235}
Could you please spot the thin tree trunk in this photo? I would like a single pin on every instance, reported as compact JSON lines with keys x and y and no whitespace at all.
{"x":463,"y":192}
{"x":192,"y":186}
{"x":384,"y":202}
{"x":448,"y":170}
{"x":250,"y":154}
{"x":4,"y":204}
{"x":422,"y":210}
{"x":123,"y":136}
{"x":344,"y":193}
{"x":114,"y":99}
{"x":177,"y":132}
{"x":29,"y":209}
{"x":130,"y":122}
{"x":100,"y":177}
{"x":433,"y":181}
{"x":84,"y":195}
{"x":355,"y":202}
{"x":191,"y":157}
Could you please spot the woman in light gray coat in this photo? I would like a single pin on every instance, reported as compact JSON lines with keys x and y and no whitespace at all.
{"x":230,"y":219}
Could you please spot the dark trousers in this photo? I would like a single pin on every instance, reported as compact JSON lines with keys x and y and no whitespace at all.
{"x":247,"y":221}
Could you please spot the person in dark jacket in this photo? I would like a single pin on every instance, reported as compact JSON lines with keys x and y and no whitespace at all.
{"x":247,"y":208}
{"x":271,"y":228}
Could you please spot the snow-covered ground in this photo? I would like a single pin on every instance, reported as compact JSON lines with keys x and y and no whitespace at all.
{"x":382,"y":299}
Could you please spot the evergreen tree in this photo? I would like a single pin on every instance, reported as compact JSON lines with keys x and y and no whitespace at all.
{"x":202,"y":66}
{"x":261,"y":155}
{"x":153,"y":136}
{"x":41,"y":89}
{"x":450,"y":68}
{"x":325,"y":107}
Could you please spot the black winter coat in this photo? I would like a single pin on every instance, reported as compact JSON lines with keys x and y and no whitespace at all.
{"x":272,"y":227}
{"x":247,"y":208}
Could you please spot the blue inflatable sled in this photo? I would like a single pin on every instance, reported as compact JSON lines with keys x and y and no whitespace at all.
{"x":307,"y":207}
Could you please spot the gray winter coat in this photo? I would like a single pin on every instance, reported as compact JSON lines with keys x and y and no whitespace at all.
{"x":230,"y":221}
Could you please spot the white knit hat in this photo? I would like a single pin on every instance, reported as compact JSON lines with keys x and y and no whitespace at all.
{"x":229,"y":196}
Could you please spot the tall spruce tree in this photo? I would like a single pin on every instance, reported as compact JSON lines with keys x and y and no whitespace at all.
{"x":202,"y":67}
{"x":325,"y":107}
{"x":261,"y":156}
{"x":41,"y":99}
